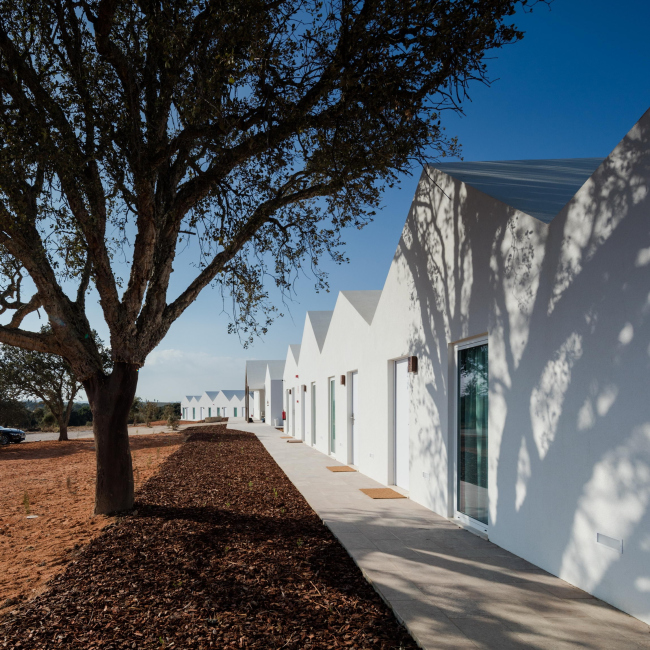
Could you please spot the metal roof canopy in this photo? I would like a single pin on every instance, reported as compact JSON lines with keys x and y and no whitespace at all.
{"x":540,"y":188}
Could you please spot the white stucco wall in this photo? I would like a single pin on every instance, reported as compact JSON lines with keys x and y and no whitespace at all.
{"x":211,"y":403}
{"x":566,"y":310}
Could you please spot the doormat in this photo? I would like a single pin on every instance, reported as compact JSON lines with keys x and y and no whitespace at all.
{"x":382,"y":493}
{"x":341,"y":468}
{"x":284,"y":437}
{"x":296,"y":441}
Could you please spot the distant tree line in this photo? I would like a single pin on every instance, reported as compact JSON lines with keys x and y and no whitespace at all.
{"x":145,"y":412}
{"x":35,"y":415}
{"x":17,"y":414}
{"x":28,"y":374}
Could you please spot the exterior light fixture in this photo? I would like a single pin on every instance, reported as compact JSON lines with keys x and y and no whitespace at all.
{"x":342,"y":380}
{"x":413,"y":365}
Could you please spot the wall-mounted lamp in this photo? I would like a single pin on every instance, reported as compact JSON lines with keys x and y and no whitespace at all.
{"x":342,"y":380}
{"x":413,"y":365}
{"x":289,"y":391}
{"x":304,"y":388}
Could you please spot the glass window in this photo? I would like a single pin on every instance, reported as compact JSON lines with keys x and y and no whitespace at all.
{"x":473,"y":432}
{"x":332,"y":415}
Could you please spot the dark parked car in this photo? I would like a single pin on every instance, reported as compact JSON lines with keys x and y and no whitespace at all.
{"x":10,"y":435}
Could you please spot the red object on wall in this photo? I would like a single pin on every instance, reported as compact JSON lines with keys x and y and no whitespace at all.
{"x":284,"y":415}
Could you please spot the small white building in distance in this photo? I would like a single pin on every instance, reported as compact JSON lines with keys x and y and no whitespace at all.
{"x":224,"y":403}
{"x":501,"y":377}
{"x":263,"y":388}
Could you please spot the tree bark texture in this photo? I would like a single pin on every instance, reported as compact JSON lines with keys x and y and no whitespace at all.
{"x":110,"y":399}
{"x":63,"y":425}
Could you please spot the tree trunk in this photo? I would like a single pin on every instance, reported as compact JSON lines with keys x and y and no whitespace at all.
{"x":65,"y":420}
{"x":110,"y":399}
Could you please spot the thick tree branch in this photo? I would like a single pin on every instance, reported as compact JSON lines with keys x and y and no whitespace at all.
{"x":29,"y":340}
{"x":25,"y":309}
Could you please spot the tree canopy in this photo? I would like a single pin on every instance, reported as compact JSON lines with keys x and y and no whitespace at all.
{"x":260,"y":128}
{"x":27,"y":374}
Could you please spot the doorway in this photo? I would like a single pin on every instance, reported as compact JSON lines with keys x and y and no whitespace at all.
{"x":303,"y":394}
{"x":402,"y":449}
{"x":472,"y":434}
{"x":354,"y":438}
{"x":332,"y":415}
{"x":313,"y":413}
{"x":292,"y":397}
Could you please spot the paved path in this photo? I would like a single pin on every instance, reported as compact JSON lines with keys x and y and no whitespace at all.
{"x":449,"y":587}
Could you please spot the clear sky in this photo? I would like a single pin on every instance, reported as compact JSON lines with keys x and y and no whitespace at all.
{"x":572,"y":88}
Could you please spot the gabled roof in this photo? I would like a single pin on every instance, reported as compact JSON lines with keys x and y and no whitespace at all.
{"x":256,"y":370}
{"x":256,"y":373}
{"x":295,"y":350}
{"x":320,"y":323}
{"x":212,"y":394}
{"x":540,"y":188}
{"x":365,"y":302}
{"x":230,"y":394}
{"x":275,"y":369}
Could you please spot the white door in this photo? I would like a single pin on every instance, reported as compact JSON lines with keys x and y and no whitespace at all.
{"x":293,"y":412}
{"x":402,"y":439}
{"x":353,"y":416}
{"x":303,"y":395}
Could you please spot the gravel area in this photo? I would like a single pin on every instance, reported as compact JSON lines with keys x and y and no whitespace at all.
{"x":221,"y":551}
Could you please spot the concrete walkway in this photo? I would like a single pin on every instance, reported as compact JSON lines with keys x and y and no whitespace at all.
{"x":450,"y":588}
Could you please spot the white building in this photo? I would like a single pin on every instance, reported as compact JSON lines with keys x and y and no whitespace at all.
{"x":225,"y":403}
{"x":502,"y":375}
{"x":263,"y":388}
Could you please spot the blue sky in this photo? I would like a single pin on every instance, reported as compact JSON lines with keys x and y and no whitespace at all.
{"x":572,"y":88}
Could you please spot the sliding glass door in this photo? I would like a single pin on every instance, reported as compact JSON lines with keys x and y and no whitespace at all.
{"x":472,"y":494}
{"x":332,"y":414}
{"x":313,"y":414}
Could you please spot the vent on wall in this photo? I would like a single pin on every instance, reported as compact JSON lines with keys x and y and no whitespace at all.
{"x":611,"y":542}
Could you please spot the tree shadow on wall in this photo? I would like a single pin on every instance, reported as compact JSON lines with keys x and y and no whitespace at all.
{"x":567,"y":310}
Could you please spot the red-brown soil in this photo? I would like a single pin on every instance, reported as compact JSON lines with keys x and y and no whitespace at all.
{"x":222,"y":552}
{"x":56,"y":481}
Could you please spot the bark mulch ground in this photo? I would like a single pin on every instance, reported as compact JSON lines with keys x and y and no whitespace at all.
{"x":222,"y":551}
